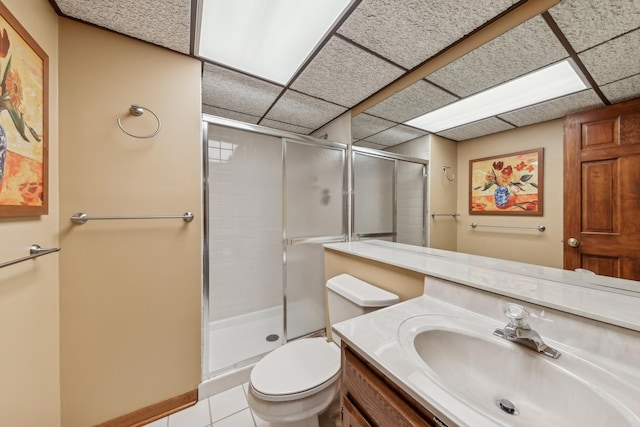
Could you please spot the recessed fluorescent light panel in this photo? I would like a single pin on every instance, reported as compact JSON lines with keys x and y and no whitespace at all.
{"x":267,"y":38}
{"x":548,"y":83}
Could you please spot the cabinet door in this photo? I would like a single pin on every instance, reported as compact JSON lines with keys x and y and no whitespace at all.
{"x":381,"y":405}
{"x":351,"y":417}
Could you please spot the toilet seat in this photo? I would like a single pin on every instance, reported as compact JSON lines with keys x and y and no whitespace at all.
{"x":296,"y":370}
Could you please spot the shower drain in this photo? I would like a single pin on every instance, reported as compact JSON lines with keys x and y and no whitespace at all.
{"x":273,"y":337}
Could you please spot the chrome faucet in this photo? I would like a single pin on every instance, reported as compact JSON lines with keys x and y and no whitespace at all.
{"x":519,"y":331}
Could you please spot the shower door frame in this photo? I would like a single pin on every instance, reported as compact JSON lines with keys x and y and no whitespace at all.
{"x":387,"y":155}
{"x":284,"y":136}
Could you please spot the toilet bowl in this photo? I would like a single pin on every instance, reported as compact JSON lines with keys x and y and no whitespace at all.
{"x":294,"y":383}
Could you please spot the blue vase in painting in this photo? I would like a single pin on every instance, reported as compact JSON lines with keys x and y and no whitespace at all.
{"x":501,"y":196}
{"x":3,"y":153}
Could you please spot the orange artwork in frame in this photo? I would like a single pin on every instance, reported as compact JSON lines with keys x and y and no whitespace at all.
{"x":24,"y":69}
{"x":509,"y":184}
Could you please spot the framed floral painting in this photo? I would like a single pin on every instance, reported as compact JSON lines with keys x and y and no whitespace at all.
{"x":510,"y":184}
{"x":23,"y":121}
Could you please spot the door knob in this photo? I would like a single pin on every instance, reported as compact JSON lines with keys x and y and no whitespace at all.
{"x":573,"y":242}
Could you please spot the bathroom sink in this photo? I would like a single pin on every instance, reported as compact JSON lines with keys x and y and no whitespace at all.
{"x":508,"y":383}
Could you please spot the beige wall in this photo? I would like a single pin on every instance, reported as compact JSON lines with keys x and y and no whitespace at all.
{"x":29,"y":292}
{"x":130,"y":291}
{"x":443,"y":194}
{"x":406,"y":284}
{"x":517,"y":245}
{"x":338,"y":130}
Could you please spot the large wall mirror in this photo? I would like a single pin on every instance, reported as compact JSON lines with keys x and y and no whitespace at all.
{"x":596,"y":39}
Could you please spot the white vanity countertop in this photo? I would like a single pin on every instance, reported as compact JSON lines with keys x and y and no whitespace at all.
{"x":589,"y":296}
{"x":377,"y":337}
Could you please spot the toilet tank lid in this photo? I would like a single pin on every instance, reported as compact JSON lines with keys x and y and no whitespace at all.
{"x":360,"y":292}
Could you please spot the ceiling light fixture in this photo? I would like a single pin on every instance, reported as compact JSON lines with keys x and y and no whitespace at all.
{"x":551,"y":82}
{"x":269,"y":39}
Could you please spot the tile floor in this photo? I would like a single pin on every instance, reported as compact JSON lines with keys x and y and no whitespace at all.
{"x":227,"y":409}
{"x":230,"y":409}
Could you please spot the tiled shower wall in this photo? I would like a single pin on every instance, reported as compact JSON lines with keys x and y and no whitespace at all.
{"x":410,"y":209}
{"x":245,"y":222}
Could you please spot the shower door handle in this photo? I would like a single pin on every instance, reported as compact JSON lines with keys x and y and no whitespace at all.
{"x":321,"y":239}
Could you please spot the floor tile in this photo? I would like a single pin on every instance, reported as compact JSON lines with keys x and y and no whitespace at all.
{"x":239,"y":419}
{"x":227,"y":403}
{"x":259,"y":421}
{"x":194,"y":416}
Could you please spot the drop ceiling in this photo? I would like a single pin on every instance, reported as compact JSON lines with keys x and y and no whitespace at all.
{"x":382,"y":42}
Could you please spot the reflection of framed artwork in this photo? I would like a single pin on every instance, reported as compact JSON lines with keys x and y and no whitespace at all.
{"x":510,"y":184}
{"x":23,"y":121}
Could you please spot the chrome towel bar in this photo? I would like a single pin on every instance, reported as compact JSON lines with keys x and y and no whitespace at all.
{"x":433,"y":214}
{"x":81,"y":218}
{"x":540,"y":228}
{"x":34,"y":252}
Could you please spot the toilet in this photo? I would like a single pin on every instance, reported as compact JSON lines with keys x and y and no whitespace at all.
{"x":294,"y":383}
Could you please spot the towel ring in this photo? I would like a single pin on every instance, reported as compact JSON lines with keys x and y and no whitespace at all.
{"x":137,"y":110}
{"x":445,"y":169}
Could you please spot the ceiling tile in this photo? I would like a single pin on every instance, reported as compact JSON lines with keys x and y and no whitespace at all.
{"x":614,"y":60}
{"x":273,"y":124}
{"x":396,"y":135}
{"x":476,"y":129}
{"x":345,"y":74}
{"x":622,"y":90}
{"x":236,"y":91}
{"x":228,"y":114}
{"x":410,"y":31}
{"x":168,"y":26}
{"x":417,"y":99}
{"x":364,"y":125}
{"x":302,"y":110}
{"x":554,"y":109}
{"x":588,"y":23}
{"x":530,"y":46}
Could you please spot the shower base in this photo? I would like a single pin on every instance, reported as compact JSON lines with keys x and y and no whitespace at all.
{"x":242,"y":340}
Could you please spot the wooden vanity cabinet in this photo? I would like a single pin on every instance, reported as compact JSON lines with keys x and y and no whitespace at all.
{"x":368,"y":399}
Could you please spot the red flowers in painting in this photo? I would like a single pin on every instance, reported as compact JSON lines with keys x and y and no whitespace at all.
{"x":11,"y":98}
{"x":4,"y":44}
{"x":13,"y":87}
{"x":504,"y":176}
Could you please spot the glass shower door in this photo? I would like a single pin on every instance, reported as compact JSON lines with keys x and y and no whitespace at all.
{"x":314,"y":214}
{"x":374,"y":197}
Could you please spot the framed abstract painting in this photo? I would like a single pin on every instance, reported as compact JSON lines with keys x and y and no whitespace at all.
{"x":23,"y":121}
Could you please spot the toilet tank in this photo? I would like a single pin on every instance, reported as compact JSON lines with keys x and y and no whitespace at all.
{"x":349,"y":297}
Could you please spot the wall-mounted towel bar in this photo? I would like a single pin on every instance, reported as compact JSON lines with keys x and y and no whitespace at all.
{"x":433,"y":214}
{"x":81,"y":218}
{"x":540,"y":228}
{"x":34,"y":252}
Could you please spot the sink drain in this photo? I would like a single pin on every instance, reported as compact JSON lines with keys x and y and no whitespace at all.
{"x":507,"y":406}
{"x":273,"y":337}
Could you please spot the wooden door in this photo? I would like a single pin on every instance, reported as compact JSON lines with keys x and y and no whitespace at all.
{"x":602,"y":190}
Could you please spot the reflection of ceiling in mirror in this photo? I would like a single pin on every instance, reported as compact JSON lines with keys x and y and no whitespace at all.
{"x":374,"y":57}
{"x":528,"y":47}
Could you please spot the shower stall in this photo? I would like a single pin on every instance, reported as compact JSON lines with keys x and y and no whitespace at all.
{"x":272,"y":199}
